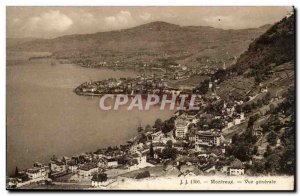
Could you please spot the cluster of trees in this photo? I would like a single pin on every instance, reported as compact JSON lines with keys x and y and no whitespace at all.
{"x":203,"y":87}
{"x":220,"y":75}
{"x":261,"y":72}
{"x":258,"y":104}
{"x":204,"y":124}
{"x":165,"y":126}
{"x":23,"y":176}
{"x":169,"y":152}
{"x":144,"y":174}
{"x":243,"y":146}
{"x":99,"y":177}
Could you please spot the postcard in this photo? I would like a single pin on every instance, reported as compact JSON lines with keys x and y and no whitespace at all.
{"x":150,"y":98}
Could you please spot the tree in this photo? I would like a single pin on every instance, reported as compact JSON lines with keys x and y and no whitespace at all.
{"x":272,"y":138}
{"x":272,"y":108}
{"x":203,"y":88}
{"x":242,"y":152}
{"x":168,"y":125}
{"x":273,"y":163}
{"x":169,"y":144}
{"x":268,"y":151}
{"x":158,"y":123}
{"x":255,"y":150}
{"x":143,"y":138}
{"x":148,"y":128}
{"x":169,"y":153}
{"x":140,"y":129}
{"x":53,"y":158}
{"x":144,"y":174}
{"x":252,"y":119}
{"x":16,"y":172}
{"x":235,"y":138}
{"x":258,"y":167}
{"x":99,"y":177}
{"x":151,"y":151}
{"x":247,"y":108}
{"x":217,"y":124}
{"x":266,"y":100}
{"x":238,"y":109}
{"x":259,"y":103}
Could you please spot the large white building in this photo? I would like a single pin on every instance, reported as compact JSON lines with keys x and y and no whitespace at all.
{"x":208,"y":138}
{"x":181,"y":127}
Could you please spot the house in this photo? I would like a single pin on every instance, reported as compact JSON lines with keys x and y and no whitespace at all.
{"x":98,"y":184}
{"x":112,"y":163}
{"x":135,"y":148}
{"x":158,"y":146}
{"x":264,"y":89}
{"x":12,"y":182}
{"x":39,"y":171}
{"x":88,"y":169}
{"x":257,"y":131}
{"x":58,"y":166}
{"x":181,"y":128}
{"x":191,"y":136}
{"x":229,"y":125}
{"x":72,"y":166}
{"x":44,"y":168}
{"x":156,"y":137}
{"x":239,"y":119}
{"x":178,"y":146}
{"x":236,"y":168}
{"x":138,"y":161}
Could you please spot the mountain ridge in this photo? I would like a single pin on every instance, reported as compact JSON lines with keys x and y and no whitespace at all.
{"x":150,"y":42}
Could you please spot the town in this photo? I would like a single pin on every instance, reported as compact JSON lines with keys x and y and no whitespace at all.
{"x":190,"y":143}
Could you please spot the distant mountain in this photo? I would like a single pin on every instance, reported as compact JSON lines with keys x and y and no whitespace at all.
{"x":150,"y":43}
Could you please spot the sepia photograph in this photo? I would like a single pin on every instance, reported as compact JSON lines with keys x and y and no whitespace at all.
{"x":150,"y":98}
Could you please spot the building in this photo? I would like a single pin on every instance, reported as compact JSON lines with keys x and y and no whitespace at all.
{"x":178,"y":146}
{"x":181,"y":128}
{"x":38,"y":172}
{"x":112,"y":163}
{"x":98,"y":184}
{"x":208,"y":138}
{"x":236,"y":168}
{"x":138,"y":161}
{"x":88,"y":169}
{"x":72,"y":166}
{"x":57,"y":166}
{"x":136,"y":148}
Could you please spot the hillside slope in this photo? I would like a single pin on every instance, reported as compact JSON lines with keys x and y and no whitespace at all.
{"x":268,"y":62}
{"x":276,"y":46}
{"x":264,"y":77}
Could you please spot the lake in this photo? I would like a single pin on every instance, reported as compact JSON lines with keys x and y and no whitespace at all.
{"x":45,"y":117}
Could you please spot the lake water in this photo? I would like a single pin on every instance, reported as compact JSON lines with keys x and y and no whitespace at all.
{"x":45,"y":117}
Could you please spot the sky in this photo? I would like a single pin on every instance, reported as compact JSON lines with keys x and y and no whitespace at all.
{"x":49,"y":22}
